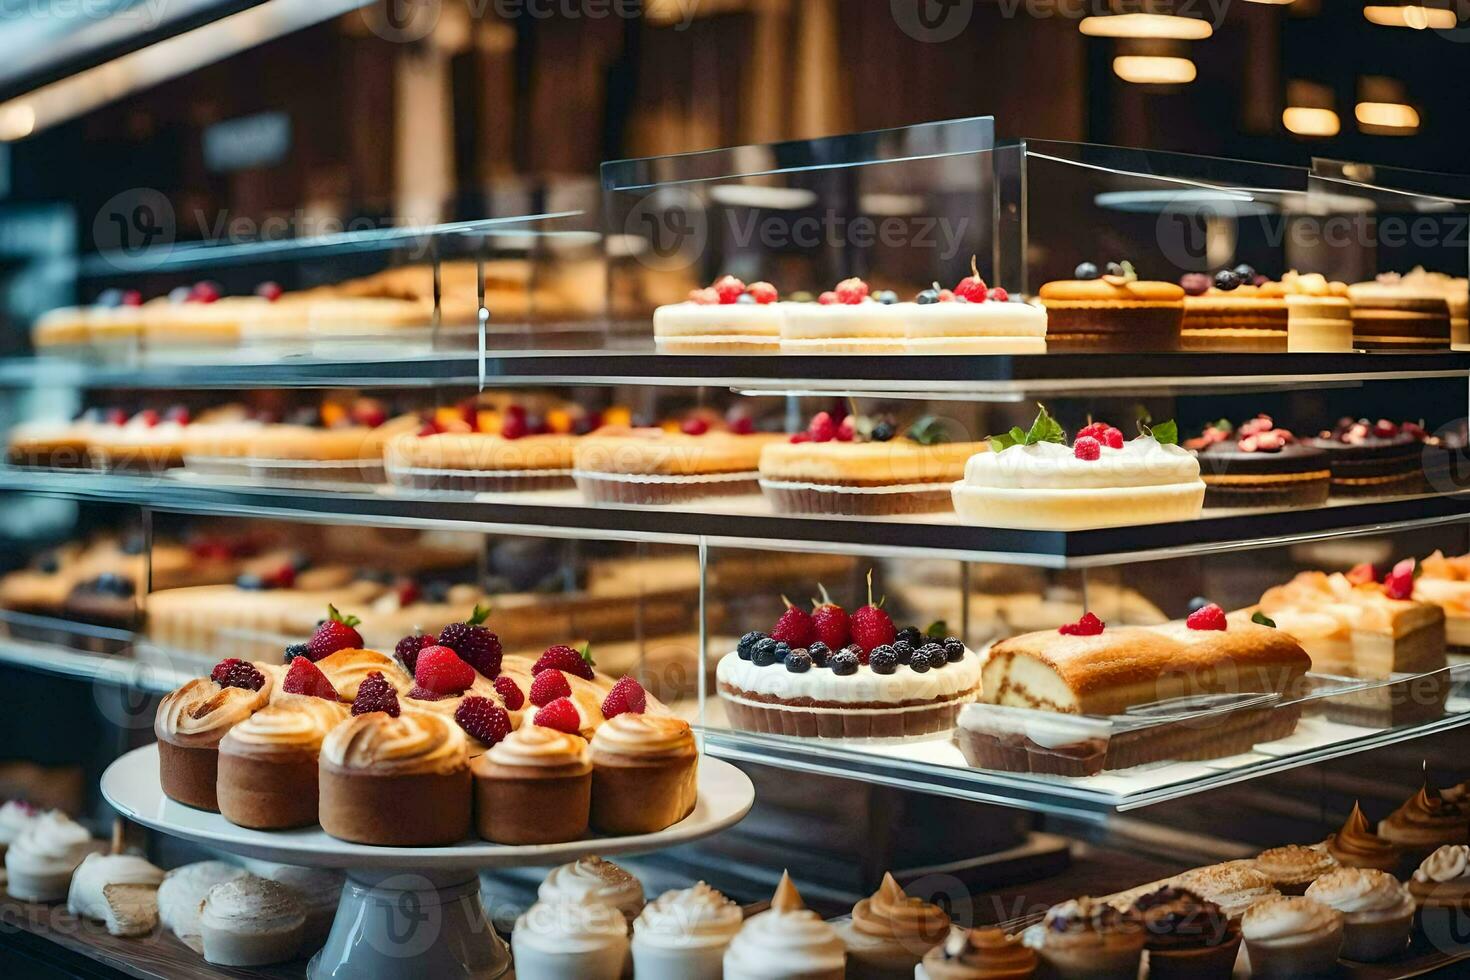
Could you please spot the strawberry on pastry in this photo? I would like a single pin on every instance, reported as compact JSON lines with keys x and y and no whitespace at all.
{"x":305,"y":677}
{"x":337,"y":632}
{"x":795,"y":627}
{"x":562,"y":715}
{"x":548,"y":686}
{"x":871,"y":628}
{"x":626,"y":697}
{"x":830,"y":621}
{"x":233,"y":672}
{"x":578,"y":663}
{"x":440,"y":671}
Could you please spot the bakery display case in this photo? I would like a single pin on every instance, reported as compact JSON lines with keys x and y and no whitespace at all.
{"x":1124,"y":575}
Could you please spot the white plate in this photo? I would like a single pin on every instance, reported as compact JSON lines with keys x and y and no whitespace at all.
{"x":131,"y":785}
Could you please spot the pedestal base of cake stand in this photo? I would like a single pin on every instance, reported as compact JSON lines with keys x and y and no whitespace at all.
{"x":408,"y":912}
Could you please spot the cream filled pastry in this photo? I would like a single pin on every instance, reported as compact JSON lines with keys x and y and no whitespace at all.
{"x":182,"y":892}
{"x":591,"y":879}
{"x":1038,"y":482}
{"x":1356,"y":846}
{"x":1291,"y":936}
{"x":250,"y":921}
{"x":978,"y":954}
{"x":683,"y":934}
{"x":191,"y":721}
{"x":1377,"y":911}
{"x":570,"y":940}
{"x":786,"y":942}
{"x":890,"y":932}
{"x":1293,"y":867}
{"x":39,"y":864}
{"x":84,"y":898}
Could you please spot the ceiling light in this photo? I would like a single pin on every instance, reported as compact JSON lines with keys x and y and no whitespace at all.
{"x":1147,"y":26}
{"x":17,"y":121}
{"x":1307,"y":121}
{"x":1144,"y":69}
{"x":1412,"y":16}
{"x":1402,"y":119}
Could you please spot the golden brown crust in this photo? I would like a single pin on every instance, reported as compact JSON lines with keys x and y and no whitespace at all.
{"x":1138,"y":291}
{"x":481,"y":451}
{"x":657,"y":451}
{"x":868,"y":463}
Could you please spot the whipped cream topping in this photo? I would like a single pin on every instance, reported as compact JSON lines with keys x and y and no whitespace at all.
{"x":1362,"y":895}
{"x":414,"y":742}
{"x":863,"y":686}
{"x":347,"y":669}
{"x":1356,"y":846}
{"x":1142,"y":462}
{"x":540,"y":747}
{"x":200,"y":712}
{"x":84,"y":897}
{"x":251,"y":904}
{"x":569,"y":926}
{"x":1426,"y":818}
{"x":1288,"y":917}
{"x":591,"y":880}
{"x":52,"y":844}
{"x":318,"y":889}
{"x":687,"y":918}
{"x":296,"y":722}
{"x":1294,"y":863}
{"x":889,"y":913}
{"x":977,"y":954}
{"x":788,"y":940}
{"x":643,"y":736}
{"x":1450,"y":862}
{"x":183,"y":891}
{"x":16,"y":816}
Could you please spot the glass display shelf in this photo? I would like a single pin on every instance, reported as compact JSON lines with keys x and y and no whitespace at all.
{"x":748,"y":522}
{"x":1003,"y":377}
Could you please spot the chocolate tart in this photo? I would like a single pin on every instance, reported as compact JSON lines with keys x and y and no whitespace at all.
{"x":1368,"y":465}
{"x":1292,"y":476}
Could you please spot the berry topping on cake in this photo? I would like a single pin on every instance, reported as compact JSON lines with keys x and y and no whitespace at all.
{"x":564,"y":658}
{"x":296,"y":650}
{"x":510,"y":693}
{"x":946,"y":296}
{"x":376,"y":694}
{"x":747,"y":643}
{"x":1105,"y":434}
{"x":763,"y":653}
{"x":1207,"y":617}
{"x":798,"y":661}
{"x":844,"y":663}
{"x":1195,"y":283}
{"x":869,"y":625}
{"x":883,"y":432}
{"x":270,"y":291}
{"x":1087,"y":448}
{"x":440,"y":671}
{"x":1245,"y":273}
{"x":795,"y":627}
{"x":561,"y":715}
{"x":1226,"y":280}
{"x":954,"y":649}
{"x":885,"y":296}
{"x":1120,"y":273}
{"x":851,"y":291}
{"x":1362,"y":574}
{"x":1085,"y":271}
{"x":406,"y":652}
{"x":762,"y":292}
{"x":1384,"y":429}
{"x":626,"y":697}
{"x":335,"y":633}
{"x":829,"y":298}
{"x":820,"y":653}
{"x":305,"y":677}
{"x":847,"y":429}
{"x":548,"y":686}
{"x":927,"y":296}
{"x":704,"y":297}
{"x":694,"y":426}
{"x":883,"y":660}
{"x":1399,"y":583}
{"x":972,"y":287}
{"x":1088,"y":625}
{"x":482,"y":719}
{"x":234,"y":672}
{"x":830,"y":621}
{"x":933,"y":653}
{"x":998,"y":294}
{"x":919,"y":662}
{"x":474,"y":642}
{"x":822,"y":428}
{"x":728,"y":288}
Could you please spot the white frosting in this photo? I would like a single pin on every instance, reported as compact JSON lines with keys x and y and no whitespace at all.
{"x":1288,"y":918}
{"x":1448,"y":863}
{"x":988,"y":319}
{"x":779,"y":944}
{"x":570,"y":928}
{"x":818,"y":321}
{"x":821,"y":684}
{"x":52,"y":845}
{"x":1142,"y":462}
{"x":593,"y":880}
{"x":1363,"y":895}
{"x":15,"y":816}
{"x":687,"y":918}
{"x":318,"y":889}
{"x":96,"y":871}
{"x":755,"y":320}
{"x":183,"y":890}
{"x":249,"y":904}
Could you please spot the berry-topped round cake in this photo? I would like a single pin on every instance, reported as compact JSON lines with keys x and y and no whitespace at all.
{"x":622,"y":465}
{"x":726,"y":317}
{"x":487,"y":451}
{"x":1374,"y":459}
{"x":1116,"y":311}
{"x":1235,"y":309}
{"x":828,"y":674}
{"x":1259,"y":465}
{"x":1034,"y":480}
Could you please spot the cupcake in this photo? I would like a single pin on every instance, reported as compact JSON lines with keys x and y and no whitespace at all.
{"x":268,"y":763}
{"x":183,"y":891}
{"x":890,"y":932}
{"x":1356,"y":846}
{"x":1426,"y":821}
{"x":533,"y":787}
{"x":40,"y":863}
{"x":788,"y":941}
{"x":191,"y":721}
{"x":1441,"y":890}
{"x":1234,"y":886}
{"x":1291,"y":936}
{"x":1186,"y":936}
{"x":1088,"y":939}
{"x":401,"y":781}
{"x":1377,"y":911}
{"x":15,"y":817}
{"x":978,"y":954}
{"x":682,"y":935}
{"x":569,"y":940}
{"x":1293,"y":867}
{"x":319,"y":890}
{"x":591,"y":879}
{"x":644,"y":772}
{"x":250,"y":921}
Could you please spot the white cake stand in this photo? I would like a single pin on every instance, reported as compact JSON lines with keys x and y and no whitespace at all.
{"x":407,"y":912}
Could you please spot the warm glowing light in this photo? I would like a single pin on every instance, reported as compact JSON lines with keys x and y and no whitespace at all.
{"x":1305,"y":121}
{"x":1147,"y":26}
{"x":1412,"y":16}
{"x":1147,"y":69}
{"x":1388,"y":115}
{"x":17,"y":121}
{"x":1278,"y":3}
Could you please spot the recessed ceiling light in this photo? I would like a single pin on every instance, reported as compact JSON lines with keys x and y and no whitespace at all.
{"x":1402,"y":119}
{"x":1147,"y":26}
{"x":1147,"y":69}
{"x":1412,"y":16}
{"x":1307,"y":121}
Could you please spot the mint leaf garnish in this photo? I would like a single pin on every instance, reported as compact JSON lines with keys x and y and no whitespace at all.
{"x":1043,"y":429}
{"x":1261,"y":619}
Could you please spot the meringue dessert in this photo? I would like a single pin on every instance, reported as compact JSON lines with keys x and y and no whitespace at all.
{"x":1441,"y":890}
{"x":683,"y":934}
{"x":1234,"y":886}
{"x":190,"y":723}
{"x":87,"y":899}
{"x":890,"y":932}
{"x":267,"y":776}
{"x":978,"y":954}
{"x":533,"y":787}
{"x":645,"y":772}
{"x":15,"y":817}
{"x":591,"y":879}
{"x":1293,"y":867}
{"x":182,"y":892}
{"x":250,"y":921}
{"x":1088,"y":939}
{"x":1425,"y":821}
{"x":1187,"y":937}
{"x":39,"y":864}
{"x":319,"y":890}
{"x":1377,"y":911}
{"x":1291,"y":936}
{"x":570,"y":940}
{"x":1037,"y":482}
{"x":788,"y":941}
{"x":1356,"y":846}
